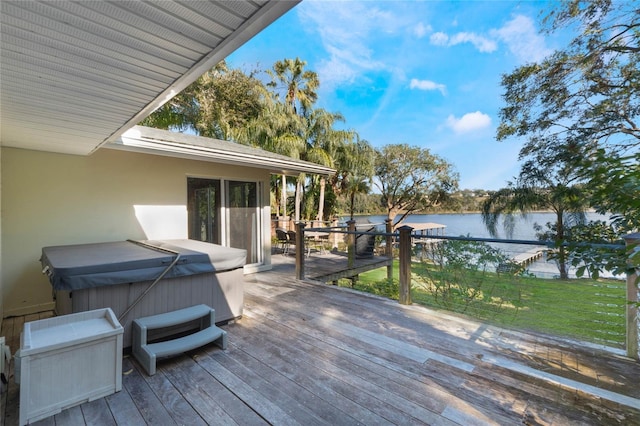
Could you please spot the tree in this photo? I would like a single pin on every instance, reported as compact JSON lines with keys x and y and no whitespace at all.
{"x":323,"y":145}
{"x":300,"y":89}
{"x":300,"y":86}
{"x":410,"y":179}
{"x":278,"y":130}
{"x":587,"y":94}
{"x":216,"y":105}
{"x":546,"y":182}
{"x":279,"y":117}
{"x":356,"y":162}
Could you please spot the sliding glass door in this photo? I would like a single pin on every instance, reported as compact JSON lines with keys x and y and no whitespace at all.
{"x":230,"y":217}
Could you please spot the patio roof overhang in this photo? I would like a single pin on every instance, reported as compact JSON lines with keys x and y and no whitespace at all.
{"x":163,"y":142}
{"x":76,"y":75}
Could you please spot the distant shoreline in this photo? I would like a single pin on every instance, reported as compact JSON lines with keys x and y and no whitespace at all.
{"x":453,"y":212}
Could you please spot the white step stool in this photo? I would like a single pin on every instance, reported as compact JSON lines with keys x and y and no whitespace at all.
{"x":147,"y":353}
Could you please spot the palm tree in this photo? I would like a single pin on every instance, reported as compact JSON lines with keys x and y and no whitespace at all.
{"x":277,"y":130}
{"x":541,"y":185}
{"x":356,"y":161}
{"x":322,"y":145}
{"x":300,"y":89}
{"x":300,"y":86}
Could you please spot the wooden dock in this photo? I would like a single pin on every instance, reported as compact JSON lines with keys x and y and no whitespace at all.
{"x":528,"y":257}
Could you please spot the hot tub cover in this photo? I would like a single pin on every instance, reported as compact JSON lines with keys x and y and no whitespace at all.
{"x":74,"y":267}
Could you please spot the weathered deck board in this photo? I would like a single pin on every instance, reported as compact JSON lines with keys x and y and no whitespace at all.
{"x":332,"y":266}
{"x":314,"y":354}
{"x":404,"y":358}
{"x":340,"y":378}
{"x":146,"y":401}
{"x":97,"y":413}
{"x":311,"y":377}
{"x":181,"y":411}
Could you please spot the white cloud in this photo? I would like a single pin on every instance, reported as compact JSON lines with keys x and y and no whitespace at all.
{"x":439,"y":39}
{"x":522,"y":39}
{"x":519,"y":35}
{"x":481,"y":43}
{"x":421,"y":30}
{"x":468,"y":122}
{"x":427,"y":85}
{"x":346,"y":30}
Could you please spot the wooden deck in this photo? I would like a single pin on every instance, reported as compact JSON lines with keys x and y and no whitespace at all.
{"x":311,"y":354}
{"x":331,"y":266}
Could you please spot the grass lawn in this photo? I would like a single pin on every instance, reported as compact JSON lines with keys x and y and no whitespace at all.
{"x":584,"y":309}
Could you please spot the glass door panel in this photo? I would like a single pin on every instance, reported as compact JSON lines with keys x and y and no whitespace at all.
{"x":243,"y":219}
{"x":204,"y":209}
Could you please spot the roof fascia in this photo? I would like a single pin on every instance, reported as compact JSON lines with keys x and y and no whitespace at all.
{"x":267,"y":14}
{"x":286,"y":166}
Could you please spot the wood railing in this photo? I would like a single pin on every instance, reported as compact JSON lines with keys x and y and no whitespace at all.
{"x":402,"y":240}
{"x":404,"y":246}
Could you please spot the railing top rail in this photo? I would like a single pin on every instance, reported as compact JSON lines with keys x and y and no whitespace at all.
{"x":324,"y":229}
{"x":418,"y":236}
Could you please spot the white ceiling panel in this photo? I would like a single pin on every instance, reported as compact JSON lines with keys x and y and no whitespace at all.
{"x":77,"y":74}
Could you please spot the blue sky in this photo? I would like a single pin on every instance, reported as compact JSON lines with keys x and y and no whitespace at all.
{"x":422,"y":73}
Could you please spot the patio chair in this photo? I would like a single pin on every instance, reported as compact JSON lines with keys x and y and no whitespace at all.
{"x":283,"y":240}
{"x":292,"y":242}
{"x":291,"y":236}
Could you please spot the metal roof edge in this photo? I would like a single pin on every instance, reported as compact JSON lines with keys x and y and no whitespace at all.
{"x":164,"y":142}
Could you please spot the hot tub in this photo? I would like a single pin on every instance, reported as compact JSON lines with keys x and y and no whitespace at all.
{"x":141,"y":278}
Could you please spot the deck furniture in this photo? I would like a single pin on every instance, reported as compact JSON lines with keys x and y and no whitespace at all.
{"x":147,"y":353}
{"x":283,"y":240}
{"x":67,"y":360}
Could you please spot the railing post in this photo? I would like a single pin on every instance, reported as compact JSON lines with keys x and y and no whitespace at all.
{"x":388,"y":252}
{"x":335,"y":234}
{"x":633,"y":244}
{"x":351,"y":243}
{"x":300,"y":250}
{"x":405,"y":265}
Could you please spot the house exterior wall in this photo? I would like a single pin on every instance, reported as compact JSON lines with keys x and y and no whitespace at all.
{"x":1,"y":293}
{"x":56,"y":199}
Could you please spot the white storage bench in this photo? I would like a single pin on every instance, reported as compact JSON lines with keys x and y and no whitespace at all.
{"x":67,"y":360}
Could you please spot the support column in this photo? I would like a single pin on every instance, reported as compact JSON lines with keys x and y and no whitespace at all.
{"x":351,"y":243}
{"x":633,"y":246}
{"x":388,"y":252}
{"x":300,"y":250}
{"x":334,"y":235}
{"x":405,"y":265}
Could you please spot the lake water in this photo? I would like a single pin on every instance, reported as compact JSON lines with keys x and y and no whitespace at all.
{"x":471,"y":224}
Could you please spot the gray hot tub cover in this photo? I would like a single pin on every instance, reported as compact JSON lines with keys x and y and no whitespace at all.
{"x":74,"y":267}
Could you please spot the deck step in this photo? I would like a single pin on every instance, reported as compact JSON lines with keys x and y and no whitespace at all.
{"x":185,"y":343}
{"x":147,"y":353}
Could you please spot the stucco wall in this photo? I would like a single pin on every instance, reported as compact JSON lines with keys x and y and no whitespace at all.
{"x":55,"y":199}
{"x":1,"y":294}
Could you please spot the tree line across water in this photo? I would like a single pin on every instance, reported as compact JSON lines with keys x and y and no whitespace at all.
{"x":577,"y":111}
{"x":460,"y":201}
